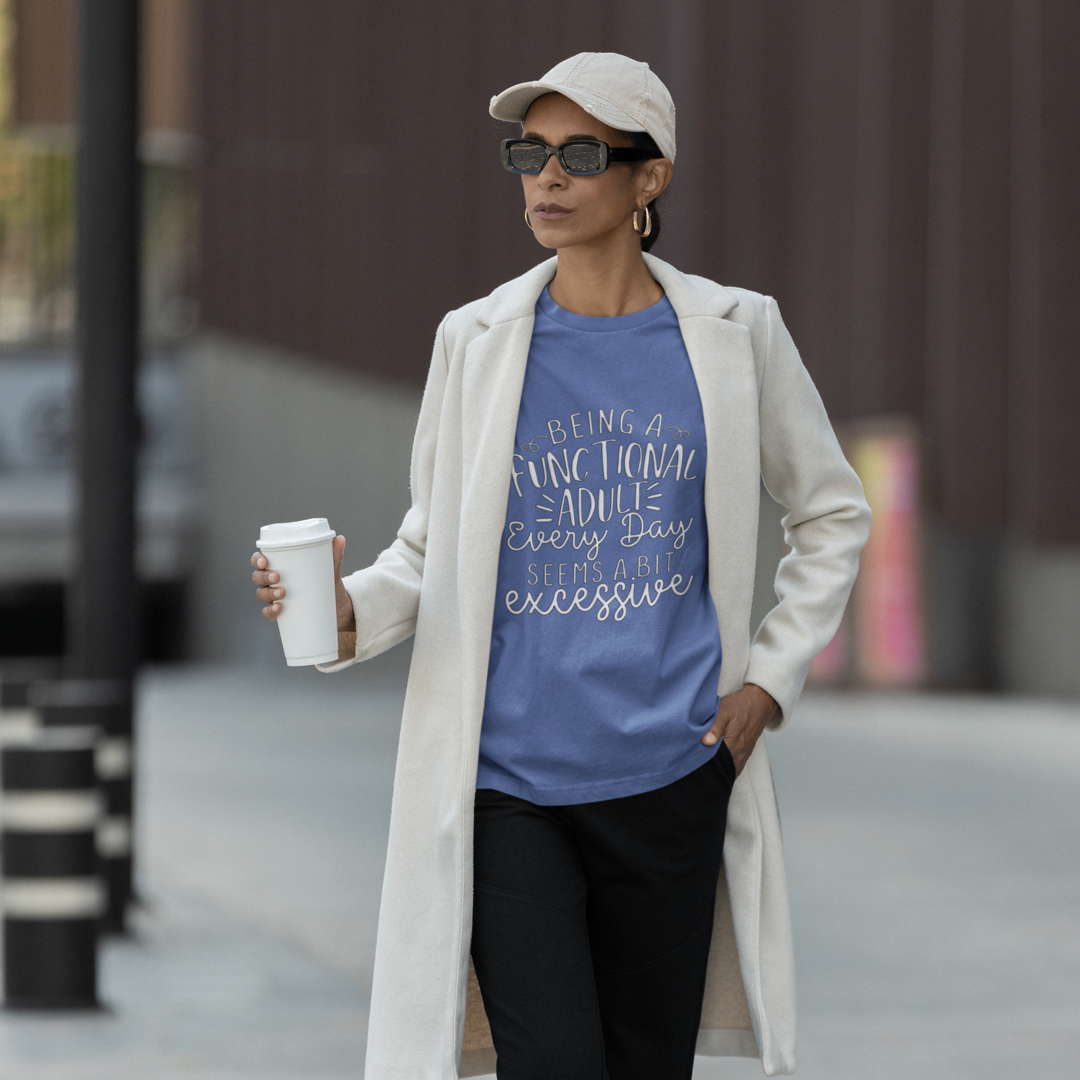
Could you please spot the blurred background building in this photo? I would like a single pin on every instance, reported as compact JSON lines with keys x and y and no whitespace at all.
{"x":322,"y":184}
{"x":37,"y":308}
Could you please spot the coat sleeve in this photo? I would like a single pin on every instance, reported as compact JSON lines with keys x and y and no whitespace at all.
{"x":386,"y":595}
{"x":826,"y":524}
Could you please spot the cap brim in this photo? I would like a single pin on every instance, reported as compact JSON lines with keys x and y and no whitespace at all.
{"x":514,"y":103}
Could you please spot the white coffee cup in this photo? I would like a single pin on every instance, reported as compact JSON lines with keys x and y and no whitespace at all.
{"x":302,"y":554}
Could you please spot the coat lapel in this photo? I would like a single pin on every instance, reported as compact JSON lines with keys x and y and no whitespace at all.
{"x":491,"y":376}
{"x":722,"y":356}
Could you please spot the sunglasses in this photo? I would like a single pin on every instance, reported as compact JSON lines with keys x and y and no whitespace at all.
{"x":582,"y":157}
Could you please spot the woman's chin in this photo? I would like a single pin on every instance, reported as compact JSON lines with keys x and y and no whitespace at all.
{"x":556,"y":238}
{"x":562,"y":233}
{"x":554,"y":234}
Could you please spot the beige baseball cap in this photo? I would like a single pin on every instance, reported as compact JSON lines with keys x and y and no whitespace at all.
{"x":624,"y":93}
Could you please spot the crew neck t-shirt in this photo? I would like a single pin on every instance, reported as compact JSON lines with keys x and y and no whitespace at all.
{"x":605,"y":648}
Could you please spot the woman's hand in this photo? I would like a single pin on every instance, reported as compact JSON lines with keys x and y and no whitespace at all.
{"x":270,"y":593}
{"x":740,"y":720}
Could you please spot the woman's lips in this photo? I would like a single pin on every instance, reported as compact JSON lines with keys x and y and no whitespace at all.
{"x":549,"y":211}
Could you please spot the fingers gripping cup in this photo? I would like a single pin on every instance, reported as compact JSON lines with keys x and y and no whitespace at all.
{"x":302,"y":554}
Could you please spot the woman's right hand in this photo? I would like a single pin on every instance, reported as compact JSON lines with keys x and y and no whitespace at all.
{"x":268,"y":591}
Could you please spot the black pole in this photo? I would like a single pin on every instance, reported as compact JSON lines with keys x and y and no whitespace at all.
{"x":103,"y":596}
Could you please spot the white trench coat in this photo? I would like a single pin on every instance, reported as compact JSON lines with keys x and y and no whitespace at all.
{"x":764,"y":422}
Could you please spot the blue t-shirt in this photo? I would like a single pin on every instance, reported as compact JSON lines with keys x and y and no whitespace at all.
{"x":605,"y":648}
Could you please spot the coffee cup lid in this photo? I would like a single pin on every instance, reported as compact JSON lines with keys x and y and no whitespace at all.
{"x":294,"y":533}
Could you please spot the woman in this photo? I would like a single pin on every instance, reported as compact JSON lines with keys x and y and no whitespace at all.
{"x":577,"y":566}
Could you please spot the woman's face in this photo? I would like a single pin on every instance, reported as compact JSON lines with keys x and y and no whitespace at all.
{"x":566,"y":210}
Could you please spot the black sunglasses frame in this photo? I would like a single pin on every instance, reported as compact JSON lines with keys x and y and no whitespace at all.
{"x":609,"y":155}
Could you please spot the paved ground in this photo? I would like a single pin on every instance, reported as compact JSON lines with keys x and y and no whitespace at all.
{"x":932,"y":843}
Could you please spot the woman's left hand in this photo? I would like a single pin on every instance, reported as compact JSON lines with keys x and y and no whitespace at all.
{"x":740,"y":720}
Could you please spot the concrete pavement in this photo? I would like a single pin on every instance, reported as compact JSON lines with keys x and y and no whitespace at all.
{"x":932,"y":843}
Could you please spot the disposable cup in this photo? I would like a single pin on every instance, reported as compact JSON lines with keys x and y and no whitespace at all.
{"x":302,"y":554}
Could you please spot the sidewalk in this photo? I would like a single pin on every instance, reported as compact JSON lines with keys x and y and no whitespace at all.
{"x":932,"y":843}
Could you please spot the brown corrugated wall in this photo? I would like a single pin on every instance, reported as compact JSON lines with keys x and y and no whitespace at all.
{"x":43,"y":63}
{"x":901,"y":174}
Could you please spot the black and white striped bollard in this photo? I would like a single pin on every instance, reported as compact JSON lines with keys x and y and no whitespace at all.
{"x":17,"y":719}
{"x":17,"y":674}
{"x":51,"y":894}
{"x":106,"y":705}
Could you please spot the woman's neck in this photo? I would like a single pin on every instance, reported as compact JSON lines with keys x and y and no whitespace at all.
{"x":604,"y":278}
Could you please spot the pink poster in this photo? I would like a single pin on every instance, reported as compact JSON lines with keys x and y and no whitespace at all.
{"x":888,"y":595}
{"x":881,"y":640}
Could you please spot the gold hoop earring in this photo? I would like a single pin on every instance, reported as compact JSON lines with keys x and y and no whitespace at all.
{"x":527,"y":221}
{"x":648,"y":223}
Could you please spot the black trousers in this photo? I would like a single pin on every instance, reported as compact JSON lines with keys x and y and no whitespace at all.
{"x":592,"y":924}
